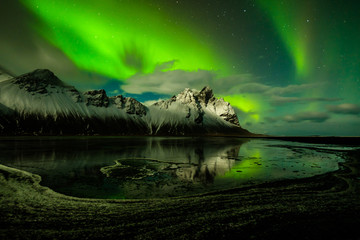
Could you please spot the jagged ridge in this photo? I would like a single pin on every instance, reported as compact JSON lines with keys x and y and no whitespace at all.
{"x":40,"y":103}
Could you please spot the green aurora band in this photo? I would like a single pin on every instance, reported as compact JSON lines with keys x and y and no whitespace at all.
{"x":111,"y":39}
{"x":294,"y":31}
{"x":291,"y":25}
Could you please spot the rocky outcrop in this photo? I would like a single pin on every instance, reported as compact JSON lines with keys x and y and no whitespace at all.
{"x":218,"y":106}
{"x":130,"y":105}
{"x":206,"y":95}
{"x":97,"y":98}
{"x":38,"y":81}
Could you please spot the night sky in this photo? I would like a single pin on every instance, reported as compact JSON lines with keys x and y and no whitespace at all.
{"x":288,"y":67}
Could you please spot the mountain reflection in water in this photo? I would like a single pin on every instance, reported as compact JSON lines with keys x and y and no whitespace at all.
{"x":148,"y":167}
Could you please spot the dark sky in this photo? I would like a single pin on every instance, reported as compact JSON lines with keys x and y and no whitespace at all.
{"x":289,"y":67}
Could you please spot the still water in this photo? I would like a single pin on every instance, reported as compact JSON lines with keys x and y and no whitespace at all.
{"x":157,"y":167}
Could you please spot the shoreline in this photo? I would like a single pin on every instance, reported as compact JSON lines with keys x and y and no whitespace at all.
{"x":355,"y":140}
{"x":321,"y":207}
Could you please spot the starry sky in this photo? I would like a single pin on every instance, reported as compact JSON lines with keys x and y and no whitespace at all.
{"x":288,"y":67}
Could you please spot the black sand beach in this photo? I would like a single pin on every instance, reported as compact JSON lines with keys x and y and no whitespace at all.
{"x":321,"y":207}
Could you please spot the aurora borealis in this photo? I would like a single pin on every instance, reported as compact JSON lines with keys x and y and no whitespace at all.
{"x":289,"y":67}
{"x":123,"y":42}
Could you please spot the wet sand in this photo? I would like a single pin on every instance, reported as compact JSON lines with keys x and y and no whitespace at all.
{"x":320,"y":207}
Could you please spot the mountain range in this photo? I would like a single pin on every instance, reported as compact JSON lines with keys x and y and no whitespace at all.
{"x":39,"y":103}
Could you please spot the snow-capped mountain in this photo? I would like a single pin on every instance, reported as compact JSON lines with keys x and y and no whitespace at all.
{"x":193,"y":111}
{"x":38,"y":103}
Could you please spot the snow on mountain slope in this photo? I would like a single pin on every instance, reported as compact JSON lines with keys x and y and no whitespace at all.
{"x":41,"y":92}
{"x":4,"y":75}
{"x":40,"y":103}
{"x":193,"y":110}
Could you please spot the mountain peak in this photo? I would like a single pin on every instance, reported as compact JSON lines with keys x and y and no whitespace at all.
{"x":97,"y":98}
{"x":206,"y":95}
{"x":187,"y":96}
{"x":206,"y":89}
{"x":41,"y":75}
{"x":131,"y":105}
{"x":38,"y":81}
{"x":195,"y":103}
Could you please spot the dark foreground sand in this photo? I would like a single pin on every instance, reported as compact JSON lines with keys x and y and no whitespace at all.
{"x":321,"y":207}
